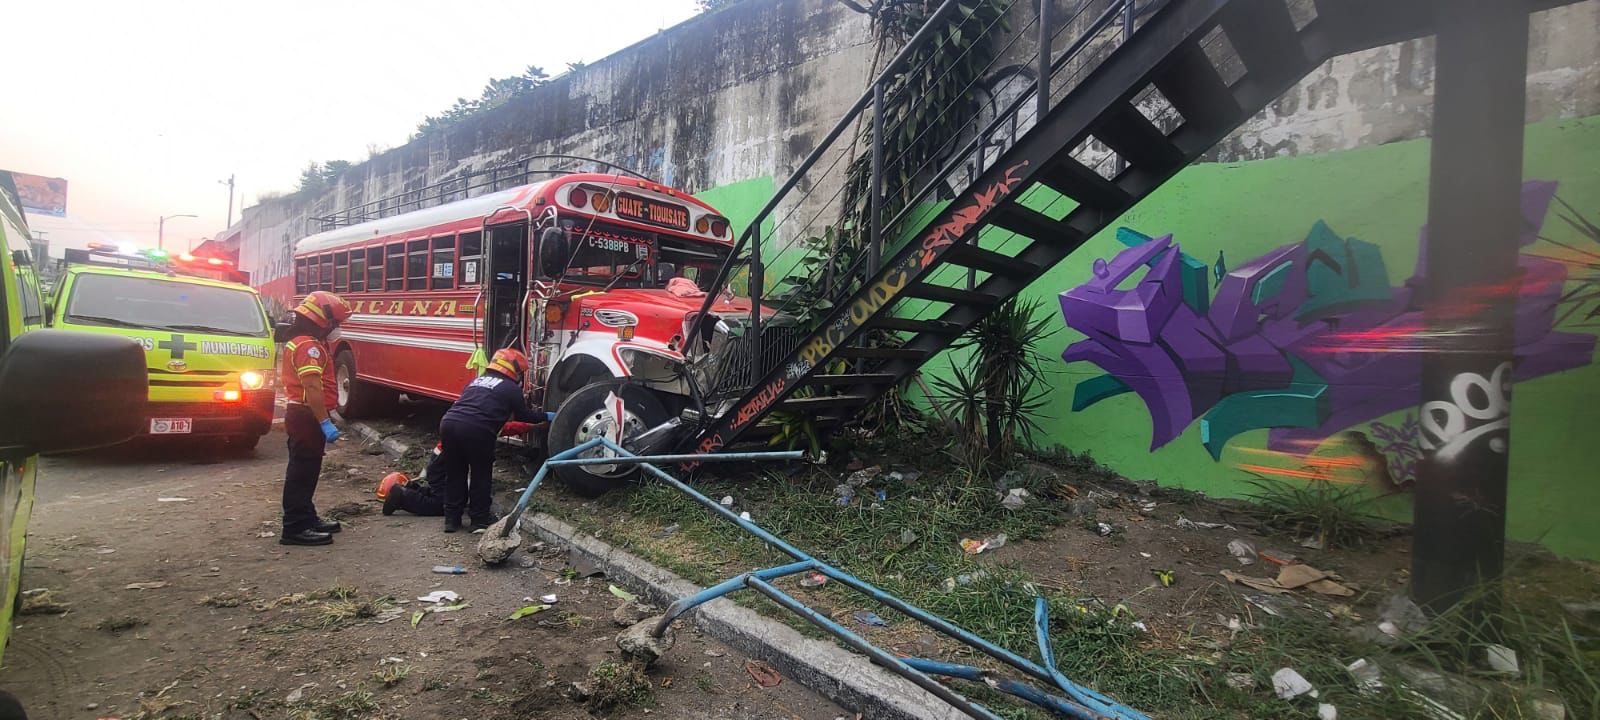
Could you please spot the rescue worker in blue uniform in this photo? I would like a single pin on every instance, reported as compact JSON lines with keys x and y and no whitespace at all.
{"x":467,"y":435}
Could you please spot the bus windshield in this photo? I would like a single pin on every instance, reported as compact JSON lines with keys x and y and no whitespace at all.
{"x":124,"y":301}
{"x":625,"y":258}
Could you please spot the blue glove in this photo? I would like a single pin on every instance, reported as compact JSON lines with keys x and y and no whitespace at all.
{"x":329,"y":431}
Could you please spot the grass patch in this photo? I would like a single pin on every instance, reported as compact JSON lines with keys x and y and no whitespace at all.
{"x":617,"y":684}
{"x":348,"y":706}
{"x":391,"y":675}
{"x":1333,"y":514}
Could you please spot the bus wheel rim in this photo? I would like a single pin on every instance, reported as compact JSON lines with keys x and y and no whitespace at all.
{"x":344,"y":387}
{"x":601,"y":424}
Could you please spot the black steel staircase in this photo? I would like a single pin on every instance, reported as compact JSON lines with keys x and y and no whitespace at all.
{"x":1144,"y":89}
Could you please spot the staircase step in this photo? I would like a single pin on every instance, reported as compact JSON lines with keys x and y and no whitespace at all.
{"x":1132,"y":135}
{"x":1195,"y":89}
{"x":1030,"y":223}
{"x":1075,"y":180}
{"x":880,"y":353}
{"x":917,"y":326}
{"x":852,"y":379}
{"x":812,"y":404}
{"x":1262,"y":32}
{"x":970,"y":255}
{"x":950,"y":295}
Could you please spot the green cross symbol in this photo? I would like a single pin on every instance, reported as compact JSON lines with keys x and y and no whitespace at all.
{"x":177,"y":346}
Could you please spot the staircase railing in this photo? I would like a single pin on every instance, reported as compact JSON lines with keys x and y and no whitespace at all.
{"x":811,"y":205}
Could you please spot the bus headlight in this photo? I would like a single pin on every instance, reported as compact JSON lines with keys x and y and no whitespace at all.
{"x":252,"y":380}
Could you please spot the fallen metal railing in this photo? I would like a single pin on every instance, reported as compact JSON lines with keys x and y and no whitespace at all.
{"x":1079,"y":702}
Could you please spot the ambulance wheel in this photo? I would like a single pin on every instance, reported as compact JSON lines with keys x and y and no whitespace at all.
{"x":240,"y":444}
{"x":356,"y":398}
{"x":583,"y":416}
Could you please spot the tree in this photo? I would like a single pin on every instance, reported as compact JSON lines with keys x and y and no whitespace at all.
{"x":497,"y":92}
{"x":715,"y":5}
{"x":313,"y":178}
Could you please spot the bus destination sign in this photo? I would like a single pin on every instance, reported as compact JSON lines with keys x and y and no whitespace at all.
{"x":655,"y":212}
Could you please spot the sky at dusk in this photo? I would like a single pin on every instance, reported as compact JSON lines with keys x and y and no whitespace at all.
{"x":144,"y":107}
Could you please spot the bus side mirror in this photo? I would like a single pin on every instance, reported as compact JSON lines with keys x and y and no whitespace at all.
{"x":553,"y":253}
{"x":63,"y":390}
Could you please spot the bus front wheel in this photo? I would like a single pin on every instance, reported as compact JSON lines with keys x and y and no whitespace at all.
{"x":357,"y":398}
{"x":584,"y":416}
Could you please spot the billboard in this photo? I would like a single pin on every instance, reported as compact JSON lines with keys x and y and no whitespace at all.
{"x":41,"y":195}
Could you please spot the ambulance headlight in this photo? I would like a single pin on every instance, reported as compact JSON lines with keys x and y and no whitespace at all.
{"x":252,"y":380}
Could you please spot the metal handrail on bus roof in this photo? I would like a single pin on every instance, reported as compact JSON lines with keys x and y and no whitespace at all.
{"x":462,"y":185}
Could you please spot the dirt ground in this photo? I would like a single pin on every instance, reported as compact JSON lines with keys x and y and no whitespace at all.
{"x":233,"y":625}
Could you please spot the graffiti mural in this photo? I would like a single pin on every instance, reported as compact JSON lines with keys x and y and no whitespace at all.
{"x":1308,"y":341}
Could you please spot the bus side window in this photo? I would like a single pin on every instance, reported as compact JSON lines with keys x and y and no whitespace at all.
{"x":374,"y":269}
{"x":471,"y":257}
{"x":300,"y":281}
{"x":444,"y":263}
{"x":395,"y":278}
{"x":341,"y":272}
{"x":313,"y":269}
{"x":325,"y":280}
{"x":358,"y":270}
{"x":417,"y":265}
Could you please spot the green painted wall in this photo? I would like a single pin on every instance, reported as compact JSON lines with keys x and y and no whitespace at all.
{"x":1379,"y":195}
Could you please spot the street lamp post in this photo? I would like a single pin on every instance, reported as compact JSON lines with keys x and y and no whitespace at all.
{"x":161,"y":229}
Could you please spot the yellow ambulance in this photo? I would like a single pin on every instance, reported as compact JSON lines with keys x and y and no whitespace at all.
{"x":207,"y":341}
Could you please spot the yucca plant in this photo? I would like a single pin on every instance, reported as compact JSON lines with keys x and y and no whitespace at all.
{"x":1008,"y":368}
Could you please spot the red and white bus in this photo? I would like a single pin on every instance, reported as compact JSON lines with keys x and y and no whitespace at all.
{"x":572,"y":270}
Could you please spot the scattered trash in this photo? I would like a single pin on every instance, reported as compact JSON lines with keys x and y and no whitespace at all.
{"x":1263,"y":584}
{"x":1140,"y":626}
{"x":1241,"y":681}
{"x":1145,"y":555}
{"x":1015,"y":498}
{"x":548,"y":599}
{"x":172,"y":499}
{"x":146,"y":585}
{"x":1501,"y":659}
{"x":1295,"y":576}
{"x":762,"y":673}
{"x":441,"y":608}
{"x":1167,"y":578}
{"x":388,"y":615}
{"x":1104,"y":529}
{"x":449,"y":570}
{"x":1288,"y":684}
{"x":814,"y":580}
{"x":1005,"y":481}
{"x":1188,"y":524}
{"x":1274,"y":605}
{"x":527,"y":610}
{"x":40,"y":601}
{"x":668,"y":531}
{"x":973,"y":547}
{"x":391,"y":660}
{"x":296,"y":694}
{"x":727,"y":501}
{"x":1082,"y":507}
{"x":1313,"y":543}
{"x":1402,"y":616}
{"x":104,"y":551}
{"x":416,"y":617}
{"x":1389,"y":628}
{"x":1277,"y":558}
{"x":1369,"y":679}
{"x":1327,"y":712}
{"x":623,"y":594}
{"x":868,"y":617}
{"x":950,"y":583}
{"x":745,"y":516}
{"x":907,"y":537}
{"x":1147,"y":507}
{"x":440,"y":596}
{"x":1242,"y":551}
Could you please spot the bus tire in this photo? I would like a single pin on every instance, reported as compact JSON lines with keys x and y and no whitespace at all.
{"x":356,"y":398}
{"x":583,"y":415}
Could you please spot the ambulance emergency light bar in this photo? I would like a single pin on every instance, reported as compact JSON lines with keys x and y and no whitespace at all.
{"x":128,"y":256}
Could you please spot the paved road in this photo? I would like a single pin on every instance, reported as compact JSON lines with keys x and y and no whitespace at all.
{"x":205,"y":527}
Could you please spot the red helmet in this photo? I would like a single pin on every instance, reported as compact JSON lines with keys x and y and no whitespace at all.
{"x":324,"y":309}
{"x":389,"y":482}
{"x":510,"y":362}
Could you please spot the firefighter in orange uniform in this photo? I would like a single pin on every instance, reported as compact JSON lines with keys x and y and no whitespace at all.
{"x":307,"y":373}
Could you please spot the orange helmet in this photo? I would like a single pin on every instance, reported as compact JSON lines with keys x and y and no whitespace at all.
{"x":389,"y":482}
{"x":324,"y":309}
{"x":510,"y":362}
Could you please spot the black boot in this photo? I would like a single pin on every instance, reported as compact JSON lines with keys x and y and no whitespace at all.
{"x":452,"y":523}
{"x":306,"y":537}
{"x":392,"y":501}
{"x":327,"y":526}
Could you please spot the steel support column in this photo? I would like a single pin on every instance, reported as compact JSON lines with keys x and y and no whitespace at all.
{"x":1469,"y":296}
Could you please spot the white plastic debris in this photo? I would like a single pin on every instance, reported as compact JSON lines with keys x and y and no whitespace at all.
{"x":1241,"y":681}
{"x":172,"y":499}
{"x":1242,"y":551}
{"x":548,"y":599}
{"x":440,"y":596}
{"x":744,"y":515}
{"x":1104,"y":529}
{"x":1015,"y":498}
{"x":1369,"y":679}
{"x":727,"y":501}
{"x":1289,"y":684}
{"x":1188,"y":524}
{"x":1501,"y":659}
{"x":1327,"y":712}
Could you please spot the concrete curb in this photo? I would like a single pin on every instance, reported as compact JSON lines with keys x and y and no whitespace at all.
{"x":393,"y":447}
{"x":837,"y":674}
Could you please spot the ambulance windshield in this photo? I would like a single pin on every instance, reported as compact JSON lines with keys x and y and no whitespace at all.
{"x":124,"y":301}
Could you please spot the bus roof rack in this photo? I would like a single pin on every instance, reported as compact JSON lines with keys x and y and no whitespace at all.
{"x":500,"y":177}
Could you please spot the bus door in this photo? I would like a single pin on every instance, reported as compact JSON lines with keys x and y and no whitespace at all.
{"x":506,"y":249}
